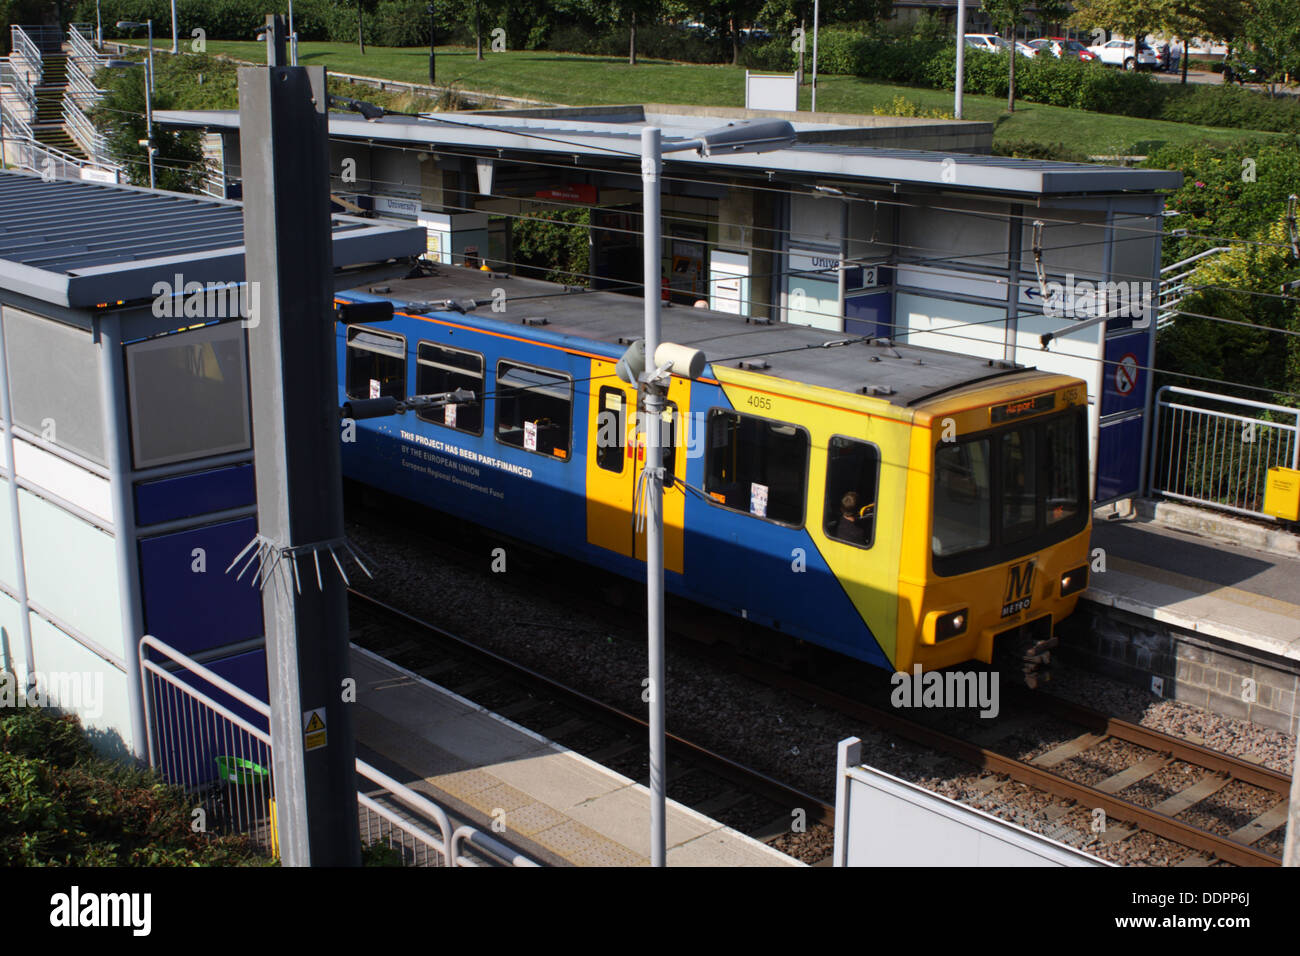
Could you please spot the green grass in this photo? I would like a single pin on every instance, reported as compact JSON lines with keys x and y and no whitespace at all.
{"x":586,"y":80}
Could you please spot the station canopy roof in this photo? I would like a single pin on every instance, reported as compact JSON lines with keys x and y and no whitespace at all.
{"x":824,"y":148}
{"x":76,"y":243}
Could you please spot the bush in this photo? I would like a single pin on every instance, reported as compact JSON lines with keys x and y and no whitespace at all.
{"x":1033,"y":149}
{"x":62,"y":805}
{"x":1230,"y":106}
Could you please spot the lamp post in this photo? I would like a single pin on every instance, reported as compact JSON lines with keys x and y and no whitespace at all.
{"x":148,"y":92}
{"x":961,"y":56}
{"x":817,"y":12}
{"x":433,"y":74}
{"x":740,"y":138}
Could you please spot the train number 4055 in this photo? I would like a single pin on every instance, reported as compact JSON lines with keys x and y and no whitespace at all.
{"x":760,"y":401}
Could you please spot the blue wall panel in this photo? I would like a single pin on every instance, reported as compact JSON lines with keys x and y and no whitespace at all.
{"x":870,"y":314}
{"x":184,"y":496}
{"x":1119,"y":458}
{"x":1124,"y":377}
{"x":195,"y":611}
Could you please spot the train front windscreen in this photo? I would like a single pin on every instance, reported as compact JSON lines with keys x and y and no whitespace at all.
{"x":1010,"y":491}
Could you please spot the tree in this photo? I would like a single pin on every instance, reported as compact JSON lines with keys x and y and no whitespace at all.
{"x":1053,"y":12}
{"x":1270,"y":38}
{"x":1132,"y":19}
{"x":119,"y":114}
{"x":1006,"y":16}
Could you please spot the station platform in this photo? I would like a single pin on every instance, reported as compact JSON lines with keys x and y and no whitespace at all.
{"x":1220,"y":609}
{"x":558,"y":807}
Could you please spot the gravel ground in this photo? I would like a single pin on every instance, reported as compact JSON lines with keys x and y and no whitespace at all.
{"x":594,"y":648}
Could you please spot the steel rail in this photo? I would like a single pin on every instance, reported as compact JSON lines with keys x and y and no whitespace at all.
{"x":773,"y":789}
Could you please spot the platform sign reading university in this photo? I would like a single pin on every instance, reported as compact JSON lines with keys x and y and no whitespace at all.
{"x":313,"y":728}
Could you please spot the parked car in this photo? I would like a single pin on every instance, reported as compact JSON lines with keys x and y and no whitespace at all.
{"x":1123,"y":53}
{"x":1060,"y":46}
{"x":992,"y":43}
{"x":1238,"y":71}
{"x":988,"y":42}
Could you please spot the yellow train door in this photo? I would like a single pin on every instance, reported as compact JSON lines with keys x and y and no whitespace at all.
{"x":615,"y":459}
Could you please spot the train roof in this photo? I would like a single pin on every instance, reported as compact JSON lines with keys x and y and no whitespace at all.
{"x":903,"y":375}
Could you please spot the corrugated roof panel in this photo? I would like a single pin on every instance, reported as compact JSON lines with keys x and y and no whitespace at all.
{"x":76,"y":243}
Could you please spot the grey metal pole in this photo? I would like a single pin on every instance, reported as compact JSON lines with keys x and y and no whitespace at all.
{"x":11,"y":487}
{"x":961,"y":56}
{"x":817,"y":15}
{"x":99,"y":28}
{"x":1291,"y":850}
{"x":148,"y":114}
{"x":293,"y":38}
{"x":117,"y":456}
{"x":294,"y":390}
{"x":150,"y":22}
{"x":651,"y":157}
{"x":175,"y":48}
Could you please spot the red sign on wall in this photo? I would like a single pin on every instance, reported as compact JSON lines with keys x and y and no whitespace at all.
{"x":570,"y":192}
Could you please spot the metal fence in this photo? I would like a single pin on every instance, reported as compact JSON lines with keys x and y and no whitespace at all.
{"x":212,"y":738}
{"x":1216,"y":450}
{"x":25,"y":54}
{"x":1173,"y":285}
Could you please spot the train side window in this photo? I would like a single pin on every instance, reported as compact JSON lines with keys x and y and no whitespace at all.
{"x":376,"y":364}
{"x":611,"y":429}
{"x":534,"y":409}
{"x":757,"y":466}
{"x":852,"y":481}
{"x":442,"y":369}
{"x":668,"y":439}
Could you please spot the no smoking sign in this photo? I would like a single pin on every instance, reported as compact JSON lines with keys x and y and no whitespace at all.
{"x":1126,"y":374}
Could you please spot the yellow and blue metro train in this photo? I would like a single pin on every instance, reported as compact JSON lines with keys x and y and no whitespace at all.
{"x":897,"y":504}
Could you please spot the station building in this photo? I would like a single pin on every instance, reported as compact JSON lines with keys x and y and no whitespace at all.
{"x":126,"y":458}
{"x":899,"y":228}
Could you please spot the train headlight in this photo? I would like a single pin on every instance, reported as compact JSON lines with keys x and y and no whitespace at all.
{"x":1072,"y":582}
{"x":950,"y":625}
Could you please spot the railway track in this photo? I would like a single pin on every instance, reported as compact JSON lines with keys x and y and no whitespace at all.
{"x":1039,"y":772}
{"x":712,"y":784}
{"x":1048,"y":772}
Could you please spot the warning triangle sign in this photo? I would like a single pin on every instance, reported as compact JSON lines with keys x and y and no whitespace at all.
{"x":315,"y":723}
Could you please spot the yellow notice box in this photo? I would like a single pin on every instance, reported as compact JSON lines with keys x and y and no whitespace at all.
{"x":1282,"y":493}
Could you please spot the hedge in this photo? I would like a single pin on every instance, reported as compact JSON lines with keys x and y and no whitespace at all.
{"x":1056,"y":82}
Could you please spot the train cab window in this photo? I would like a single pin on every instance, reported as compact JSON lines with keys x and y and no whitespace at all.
{"x":1063,"y":440}
{"x":534,"y":409}
{"x":852,"y":480}
{"x":1019,"y":483}
{"x":442,"y":369}
{"x":376,"y":364}
{"x":757,"y":466}
{"x":611,"y":429}
{"x":961,"y":497}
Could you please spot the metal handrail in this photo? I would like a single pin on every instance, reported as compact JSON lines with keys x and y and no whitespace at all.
{"x":16,"y":78}
{"x":1218,"y":458}
{"x":393,"y":789}
{"x":23,"y":44}
{"x":81,"y":129}
{"x":484,"y":842}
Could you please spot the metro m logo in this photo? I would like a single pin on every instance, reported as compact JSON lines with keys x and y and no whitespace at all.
{"x":1020,"y":588}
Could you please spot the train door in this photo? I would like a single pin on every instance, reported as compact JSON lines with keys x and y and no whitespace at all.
{"x":616,"y":456}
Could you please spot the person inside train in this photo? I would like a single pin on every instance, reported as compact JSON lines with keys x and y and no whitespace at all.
{"x":848,"y":528}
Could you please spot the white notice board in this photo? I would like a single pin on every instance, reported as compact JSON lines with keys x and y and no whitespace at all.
{"x":771,"y":91}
